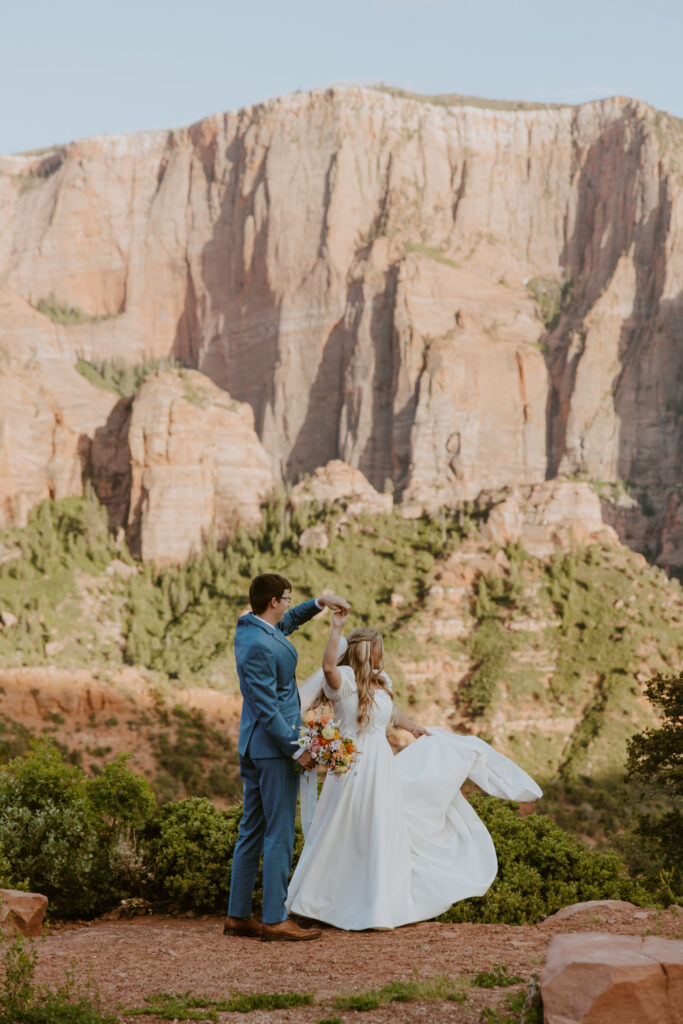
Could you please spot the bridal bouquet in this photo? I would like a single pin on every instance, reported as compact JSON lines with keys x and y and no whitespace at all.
{"x":321,"y":736}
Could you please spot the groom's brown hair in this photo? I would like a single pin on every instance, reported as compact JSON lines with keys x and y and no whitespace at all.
{"x":264,"y":587}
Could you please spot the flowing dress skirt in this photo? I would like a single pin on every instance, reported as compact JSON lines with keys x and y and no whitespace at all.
{"x":395,"y":841}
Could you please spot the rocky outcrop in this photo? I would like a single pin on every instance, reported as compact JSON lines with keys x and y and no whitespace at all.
{"x":592,"y":978}
{"x":544,"y":517}
{"x":22,"y":912}
{"x":197,"y":466}
{"x":95,"y":718}
{"x":337,"y":483}
{"x":452,"y":298}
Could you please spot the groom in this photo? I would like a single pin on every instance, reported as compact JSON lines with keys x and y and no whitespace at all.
{"x":269,"y":727}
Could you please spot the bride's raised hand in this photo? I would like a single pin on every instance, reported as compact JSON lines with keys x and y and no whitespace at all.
{"x":339,"y":618}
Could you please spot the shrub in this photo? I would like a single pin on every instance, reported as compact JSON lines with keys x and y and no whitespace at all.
{"x":73,"y":838}
{"x":191,"y":845}
{"x":540,"y":869}
{"x":655,"y":759}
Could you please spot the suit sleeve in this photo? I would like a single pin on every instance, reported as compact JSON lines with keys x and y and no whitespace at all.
{"x":296,"y":616}
{"x":259,"y":680}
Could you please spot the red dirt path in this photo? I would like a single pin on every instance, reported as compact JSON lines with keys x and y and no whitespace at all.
{"x":130,"y":959}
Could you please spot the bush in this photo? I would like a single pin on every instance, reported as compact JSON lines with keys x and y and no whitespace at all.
{"x":655,"y":759}
{"x":191,"y":845}
{"x":73,"y":838}
{"x":540,"y":869}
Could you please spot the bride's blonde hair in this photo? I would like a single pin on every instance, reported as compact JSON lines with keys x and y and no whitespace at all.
{"x":362,"y":644}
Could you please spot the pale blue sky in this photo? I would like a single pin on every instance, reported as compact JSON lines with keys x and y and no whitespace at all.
{"x":70,"y":68}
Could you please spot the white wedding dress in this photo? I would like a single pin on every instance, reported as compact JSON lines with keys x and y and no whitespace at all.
{"x":394,"y":841}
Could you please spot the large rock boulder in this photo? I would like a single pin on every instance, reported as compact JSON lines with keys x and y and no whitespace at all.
{"x":22,"y":912}
{"x":591,"y":978}
{"x":197,"y":465}
{"x":337,"y":482}
{"x":557,"y":513}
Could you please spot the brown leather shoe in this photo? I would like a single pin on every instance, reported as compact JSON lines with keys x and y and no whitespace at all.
{"x":245,"y":926}
{"x":288,"y":931}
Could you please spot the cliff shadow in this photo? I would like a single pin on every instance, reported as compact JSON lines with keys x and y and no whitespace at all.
{"x":317,"y":441}
{"x":109,"y":465}
{"x":606,"y":223}
{"x":233,"y":337}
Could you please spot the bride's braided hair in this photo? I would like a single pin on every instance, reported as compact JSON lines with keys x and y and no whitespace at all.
{"x":361,"y":644}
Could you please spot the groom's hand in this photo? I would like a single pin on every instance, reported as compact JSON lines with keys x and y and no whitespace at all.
{"x":335,"y":602}
{"x":306,"y":761}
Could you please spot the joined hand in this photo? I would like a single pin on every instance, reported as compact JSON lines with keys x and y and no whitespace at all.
{"x":306,"y":761}
{"x":335,"y":602}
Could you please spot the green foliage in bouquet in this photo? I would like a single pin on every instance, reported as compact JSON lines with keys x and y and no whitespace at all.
{"x":541,"y":869}
{"x":70,"y":837}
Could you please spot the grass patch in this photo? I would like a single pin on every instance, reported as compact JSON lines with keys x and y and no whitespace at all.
{"x":64,"y":314}
{"x":23,"y":1002}
{"x":497,"y":977}
{"x":517,"y":1008}
{"x":552,"y":298}
{"x":437,"y":989}
{"x":185,"y":1006}
{"x":434,"y":254}
{"x":120,"y":377}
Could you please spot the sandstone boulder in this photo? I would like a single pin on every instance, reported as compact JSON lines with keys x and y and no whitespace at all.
{"x":591,"y":978}
{"x":557,"y":513}
{"x":22,"y":912}
{"x":337,"y":482}
{"x":315,"y":537}
{"x":593,"y":906}
{"x":197,"y":465}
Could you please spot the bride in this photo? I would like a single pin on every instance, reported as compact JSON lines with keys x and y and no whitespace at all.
{"x":394,"y":841}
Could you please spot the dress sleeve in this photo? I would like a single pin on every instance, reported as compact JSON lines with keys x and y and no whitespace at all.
{"x":348,"y":685}
{"x":390,"y":688}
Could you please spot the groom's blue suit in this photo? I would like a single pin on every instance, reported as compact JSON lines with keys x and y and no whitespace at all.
{"x":271,"y":716}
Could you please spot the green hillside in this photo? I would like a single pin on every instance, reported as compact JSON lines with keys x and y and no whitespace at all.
{"x":550,"y":664}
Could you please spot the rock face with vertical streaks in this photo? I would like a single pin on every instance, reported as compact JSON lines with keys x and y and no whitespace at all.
{"x":452,"y":297}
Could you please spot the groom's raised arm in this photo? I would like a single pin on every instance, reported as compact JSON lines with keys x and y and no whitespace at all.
{"x":301,"y":613}
{"x":296,"y":617}
{"x":260,"y":685}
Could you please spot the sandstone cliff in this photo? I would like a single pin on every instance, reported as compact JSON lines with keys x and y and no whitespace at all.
{"x":449,"y":297}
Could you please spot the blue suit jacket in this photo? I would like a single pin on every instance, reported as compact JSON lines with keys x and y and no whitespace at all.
{"x":266,"y":666}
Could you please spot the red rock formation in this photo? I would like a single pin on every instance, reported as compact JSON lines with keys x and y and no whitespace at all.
{"x":22,"y":912}
{"x":197,"y":465}
{"x":369,"y":273}
{"x":593,"y":978}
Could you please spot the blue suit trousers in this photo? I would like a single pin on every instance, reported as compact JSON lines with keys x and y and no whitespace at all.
{"x":270,"y":788}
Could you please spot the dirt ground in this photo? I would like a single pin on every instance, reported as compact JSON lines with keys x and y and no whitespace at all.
{"x":131,"y":959}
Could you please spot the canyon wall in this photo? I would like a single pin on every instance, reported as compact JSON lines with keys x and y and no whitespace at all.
{"x":451,"y":299}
